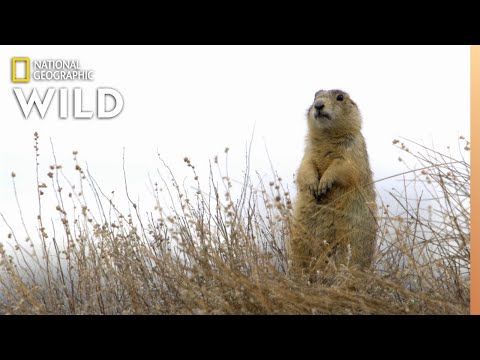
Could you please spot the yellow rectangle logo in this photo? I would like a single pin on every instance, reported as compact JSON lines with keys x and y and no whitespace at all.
{"x":20,"y":76}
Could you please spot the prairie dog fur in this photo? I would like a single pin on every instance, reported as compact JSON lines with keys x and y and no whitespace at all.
{"x":335,"y":209}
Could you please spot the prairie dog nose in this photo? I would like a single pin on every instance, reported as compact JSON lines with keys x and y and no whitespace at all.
{"x":319,"y":105}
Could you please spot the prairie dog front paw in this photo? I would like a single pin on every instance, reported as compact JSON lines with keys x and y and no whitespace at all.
{"x":308,"y":181}
{"x":325,"y":185}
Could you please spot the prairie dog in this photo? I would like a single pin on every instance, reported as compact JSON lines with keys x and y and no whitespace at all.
{"x":335,"y":209}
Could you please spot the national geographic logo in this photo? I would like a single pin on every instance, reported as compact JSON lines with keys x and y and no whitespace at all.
{"x":48,"y":70}
{"x":24,"y":70}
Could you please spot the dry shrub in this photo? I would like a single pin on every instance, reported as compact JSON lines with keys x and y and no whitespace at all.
{"x":220,"y":248}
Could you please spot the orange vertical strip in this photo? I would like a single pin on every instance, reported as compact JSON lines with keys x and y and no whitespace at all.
{"x":475,"y":179}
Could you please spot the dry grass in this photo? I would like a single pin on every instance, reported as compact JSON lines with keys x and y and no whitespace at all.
{"x":220,"y":248}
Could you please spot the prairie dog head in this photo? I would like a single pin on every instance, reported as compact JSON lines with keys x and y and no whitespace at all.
{"x":335,"y":110}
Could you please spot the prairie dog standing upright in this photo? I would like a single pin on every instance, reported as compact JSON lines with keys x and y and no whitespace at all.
{"x":335,"y":209}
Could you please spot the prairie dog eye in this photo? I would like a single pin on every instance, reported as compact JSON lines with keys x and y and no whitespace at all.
{"x":340,"y":97}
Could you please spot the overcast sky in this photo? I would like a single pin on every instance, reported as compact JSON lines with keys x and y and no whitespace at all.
{"x":196,"y":100}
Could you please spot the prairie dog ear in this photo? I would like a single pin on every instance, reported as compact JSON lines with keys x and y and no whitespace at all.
{"x":354,"y":103}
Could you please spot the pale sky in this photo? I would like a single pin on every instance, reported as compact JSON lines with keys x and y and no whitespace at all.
{"x":196,"y":100}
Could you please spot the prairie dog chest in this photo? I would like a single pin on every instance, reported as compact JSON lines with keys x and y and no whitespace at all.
{"x":323,"y":158}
